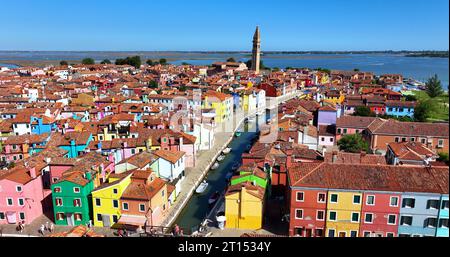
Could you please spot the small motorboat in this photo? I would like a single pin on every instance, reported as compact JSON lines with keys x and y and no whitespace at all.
{"x":221,"y":158}
{"x":214,"y":197}
{"x":238,"y":134}
{"x":202,"y":187}
{"x":215,"y":166}
{"x":236,"y":166}
{"x":226,"y":150}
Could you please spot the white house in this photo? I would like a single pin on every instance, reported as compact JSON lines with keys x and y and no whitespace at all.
{"x":171,"y":167}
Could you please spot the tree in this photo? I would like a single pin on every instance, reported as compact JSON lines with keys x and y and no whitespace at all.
{"x":276,"y":69}
{"x":106,"y":61}
{"x":443,"y":157}
{"x":434,"y":87}
{"x":363,"y":111}
{"x":423,"y":111}
{"x":261,"y":65}
{"x":356,"y":69}
{"x":153,"y":84}
{"x":185,"y":63}
{"x":133,"y":61}
{"x":150,"y":62}
{"x":231,"y":59}
{"x":163,"y":61}
{"x":182,"y":88}
{"x":412,"y":98}
{"x":353,"y":144}
{"x":63,"y":63}
{"x":88,"y":61}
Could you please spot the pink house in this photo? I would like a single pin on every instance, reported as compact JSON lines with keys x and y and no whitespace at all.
{"x":22,"y":197}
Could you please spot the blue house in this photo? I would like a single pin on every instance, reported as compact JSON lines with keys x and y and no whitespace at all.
{"x":75,"y":143}
{"x":236,"y":100}
{"x":395,"y":87}
{"x":442,"y":229}
{"x":41,"y":125}
{"x":400,"y":108}
{"x":419,"y":214}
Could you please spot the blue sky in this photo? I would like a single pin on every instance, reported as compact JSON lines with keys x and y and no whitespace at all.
{"x":197,"y":25}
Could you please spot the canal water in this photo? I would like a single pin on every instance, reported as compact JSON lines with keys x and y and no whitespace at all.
{"x":198,"y":208}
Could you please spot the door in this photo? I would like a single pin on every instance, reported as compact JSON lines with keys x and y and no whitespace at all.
{"x":308,"y":232}
{"x":11,"y":217}
{"x":342,"y":234}
{"x":70,"y":219}
{"x":106,"y":221}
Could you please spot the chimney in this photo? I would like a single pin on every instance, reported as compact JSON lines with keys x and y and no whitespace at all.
{"x":33,"y":173}
{"x":334,"y":157}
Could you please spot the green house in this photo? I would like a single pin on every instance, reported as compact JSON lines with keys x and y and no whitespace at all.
{"x":71,"y":198}
{"x":257,"y":176}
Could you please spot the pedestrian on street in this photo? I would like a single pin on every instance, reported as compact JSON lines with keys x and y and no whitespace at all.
{"x":47,"y":226}
{"x":42,"y":229}
{"x":51,"y":227}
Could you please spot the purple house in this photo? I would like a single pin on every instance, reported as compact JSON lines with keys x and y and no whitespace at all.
{"x":327,"y":115}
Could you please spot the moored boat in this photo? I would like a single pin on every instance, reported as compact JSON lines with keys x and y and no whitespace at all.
{"x":226,"y":150}
{"x":215,"y":166}
{"x":202,"y":187}
{"x":221,"y":158}
{"x":214,"y":197}
{"x":238,"y":134}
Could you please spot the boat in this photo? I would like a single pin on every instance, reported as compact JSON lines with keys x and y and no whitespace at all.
{"x":226,"y":150}
{"x":214,"y":197}
{"x":236,"y":166}
{"x":202,"y":187}
{"x":215,"y":166}
{"x":238,"y":134}
{"x":221,"y":158}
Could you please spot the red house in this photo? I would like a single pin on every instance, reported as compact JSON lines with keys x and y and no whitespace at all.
{"x":380,"y":214}
{"x":307,"y":212}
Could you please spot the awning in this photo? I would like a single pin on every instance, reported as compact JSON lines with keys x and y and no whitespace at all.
{"x":132,"y":220}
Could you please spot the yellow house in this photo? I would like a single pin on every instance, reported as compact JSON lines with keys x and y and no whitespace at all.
{"x":335,"y":97}
{"x":106,"y":199}
{"x":343,"y":214}
{"x":221,"y":103}
{"x":244,"y":204}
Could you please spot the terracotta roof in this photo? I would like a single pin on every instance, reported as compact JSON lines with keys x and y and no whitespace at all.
{"x":354,"y":121}
{"x":355,"y":158}
{"x":171,"y":156}
{"x":140,"y":191}
{"x":394,"y":127}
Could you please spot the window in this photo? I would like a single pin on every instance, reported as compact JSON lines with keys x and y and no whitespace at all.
{"x":2,"y":215}
{"x":321,"y":198}
{"x":339,"y":131}
{"x":397,"y":139}
{"x":21,"y":215}
{"x":444,"y":205}
{"x":133,"y":151}
{"x":443,"y":223}
{"x":345,"y":131}
{"x":77,"y":202}
{"x":332,"y":216}
{"x":322,"y":139}
{"x":115,"y":204}
{"x":423,"y":140}
{"x":389,"y":234}
{"x":99,"y":217}
{"x":319,"y":232}
{"x":142,"y":207}
{"x":18,"y":189}
{"x":125,"y":206}
{"x":115,"y":218}
{"x":430,"y":222}
{"x":355,"y":217}
{"x":357,"y":131}
{"x":412,"y":139}
{"x":78,"y":216}
{"x":366,"y":233}
{"x":440,"y":143}
{"x":331,"y":232}
{"x":406,"y":220}
{"x":403,"y":139}
{"x":98,"y":202}
{"x":162,"y":193}
{"x":353,"y":233}
{"x":58,"y":201}
{"x":76,"y":189}
{"x":370,"y":200}
{"x":331,"y":139}
{"x":404,"y":235}
{"x":333,"y":198}
{"x":368,"y":218}
{"x":60,"y":216}
{"x":298,"y":213}
{"x":393,"y":202}
{"x":57,"y":189}
{"x":320,"y":215}
{"x":433,"y":204}
{"x":9,"y":201}
{"x":392,"y":219}
{"x":21,"y":202}
{"x":300,"y":197}
{"x":409,"y":203}
{"x":356,"y":199}
{"x":115,"y":191}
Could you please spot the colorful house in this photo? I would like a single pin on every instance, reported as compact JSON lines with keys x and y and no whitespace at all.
{"x":42,"y":124}
{"x":244,"y":206}
{"x":75,"y":143}
{"x":442,"y":229}
{"x":221,"y":103}
{"x":400,"y":108}
{"x":71,"y":198}
{"x":343,"y":213}
{"x":106,"y":208}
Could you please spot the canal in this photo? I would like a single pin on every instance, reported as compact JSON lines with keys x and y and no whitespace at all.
{"x":198,"y":208}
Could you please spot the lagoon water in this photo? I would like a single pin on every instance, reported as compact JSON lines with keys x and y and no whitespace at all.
{"x":420,"y":68}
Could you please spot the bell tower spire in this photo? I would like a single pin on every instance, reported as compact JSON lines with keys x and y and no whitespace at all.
{"x":256,"y":53}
